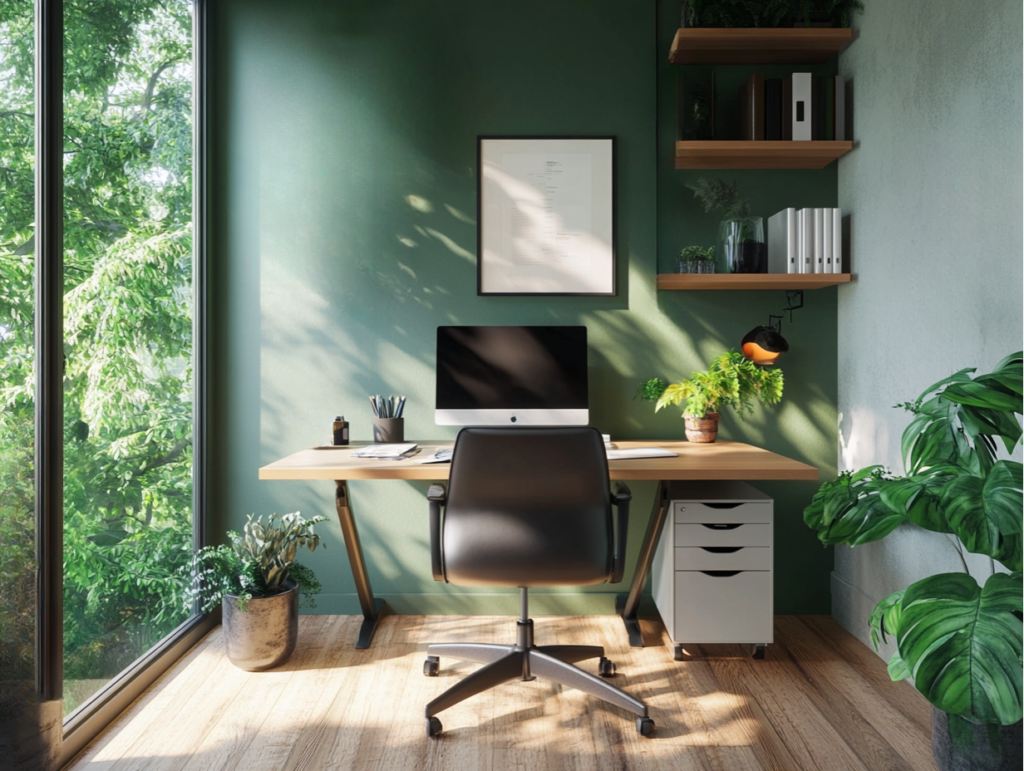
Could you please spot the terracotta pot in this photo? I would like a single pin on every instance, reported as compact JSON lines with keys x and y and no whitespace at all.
{"x":264,"y":636}
{"x":703,"y":429}
{"x":960,"y":745}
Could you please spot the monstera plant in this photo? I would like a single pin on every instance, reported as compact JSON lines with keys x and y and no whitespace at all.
{"x":960,"y":642}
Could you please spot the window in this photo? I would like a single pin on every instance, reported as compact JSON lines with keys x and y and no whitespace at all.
{"x":101,"y":454}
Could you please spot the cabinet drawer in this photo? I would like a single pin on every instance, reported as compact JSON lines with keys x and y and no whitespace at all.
{"x":724,"y":534}
{"x":721,"y":513}
{"x":728,"y":608}
{"x":749,"y":558}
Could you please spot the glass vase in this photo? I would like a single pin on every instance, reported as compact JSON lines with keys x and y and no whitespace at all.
{"x":743,"y":246}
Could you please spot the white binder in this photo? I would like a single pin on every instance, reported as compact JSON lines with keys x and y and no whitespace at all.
{"x":801,"y":106}
{"x":837,"y":240}
{"x":806,"y":240}
{"x":783,"y":245}
{"x":819,"y":241}
{"x":826,"y":266}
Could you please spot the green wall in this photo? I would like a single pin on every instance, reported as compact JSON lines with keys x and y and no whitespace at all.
{"x":343,"y":184}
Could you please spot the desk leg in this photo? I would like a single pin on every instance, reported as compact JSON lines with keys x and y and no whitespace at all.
{"x":372,"y":608}
{"x":629,"y":608}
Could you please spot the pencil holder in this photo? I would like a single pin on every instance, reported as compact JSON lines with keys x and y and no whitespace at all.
{"x":388,"y":430}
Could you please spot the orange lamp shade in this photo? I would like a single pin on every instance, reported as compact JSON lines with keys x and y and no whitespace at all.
{"x":763,"y":345}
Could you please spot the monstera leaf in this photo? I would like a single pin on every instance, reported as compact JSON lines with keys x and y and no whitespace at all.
{"x":985,"y":512}
{"x":962,"y":643}
{"x":852,"y":510}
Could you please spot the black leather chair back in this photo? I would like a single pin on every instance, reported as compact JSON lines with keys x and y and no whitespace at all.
{"x":528,"y":507}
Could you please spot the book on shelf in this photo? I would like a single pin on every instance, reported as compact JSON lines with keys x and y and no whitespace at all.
{"x":801,"y":106}
{"x":773,"y":109}
{"x":783,"y":242}
{"x":839,"y":108}
{"x":752,"y":108}
{"x":828,"y":104}
{"x":787,"y":109}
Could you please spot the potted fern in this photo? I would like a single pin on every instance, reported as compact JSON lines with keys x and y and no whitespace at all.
{"x":958,"y":641}
{"x":257,"y":581}
{"x":732,"y":380}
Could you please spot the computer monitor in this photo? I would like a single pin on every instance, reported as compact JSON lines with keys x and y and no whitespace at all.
{"x":501,"y":376}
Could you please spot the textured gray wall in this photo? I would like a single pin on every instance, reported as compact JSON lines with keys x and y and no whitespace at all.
{"x":933,"y":187}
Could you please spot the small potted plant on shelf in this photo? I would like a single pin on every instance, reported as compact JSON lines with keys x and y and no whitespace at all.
{"x":256,"y":580}
{"x":732,"y":380}
{"x":740,"y":235}
{"x":697,"y":259}
{"x":960,"y":643}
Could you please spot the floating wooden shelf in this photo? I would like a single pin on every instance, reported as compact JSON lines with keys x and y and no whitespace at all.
{"x":790,"y":45}
{"x":759,"y":155}
{"x":698,"y":281}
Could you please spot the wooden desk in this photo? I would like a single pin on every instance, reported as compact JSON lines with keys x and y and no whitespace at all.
{"x":719,"y":460}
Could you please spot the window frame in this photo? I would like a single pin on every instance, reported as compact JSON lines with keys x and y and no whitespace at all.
{"x":96,"y":713}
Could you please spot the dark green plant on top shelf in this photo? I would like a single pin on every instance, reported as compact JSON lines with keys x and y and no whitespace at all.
{"x":769,"y":13}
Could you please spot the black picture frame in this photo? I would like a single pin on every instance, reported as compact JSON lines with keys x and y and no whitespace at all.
{"x":546,"y":216}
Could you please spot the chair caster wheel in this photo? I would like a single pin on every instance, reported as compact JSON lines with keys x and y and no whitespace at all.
{"x":431,"y":667}
{"x":606,"y":668}
{"x":644,"y":726}
{"x":433,"y":726}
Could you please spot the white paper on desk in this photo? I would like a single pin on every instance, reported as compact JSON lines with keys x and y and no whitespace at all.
{"x":384,"y":450}
{"x":641,"y":452}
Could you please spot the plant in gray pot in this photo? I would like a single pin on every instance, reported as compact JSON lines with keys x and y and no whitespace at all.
{"x":959,"y":642}
{"x":257,"y":581}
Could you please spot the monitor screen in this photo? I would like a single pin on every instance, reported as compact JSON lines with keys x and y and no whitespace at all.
{"x":488,"y":376}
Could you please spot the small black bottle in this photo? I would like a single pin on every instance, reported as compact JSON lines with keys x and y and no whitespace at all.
{"x":340,"y":430}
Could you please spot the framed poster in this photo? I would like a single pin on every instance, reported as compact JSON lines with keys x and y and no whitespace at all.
{"x":546,"y":216}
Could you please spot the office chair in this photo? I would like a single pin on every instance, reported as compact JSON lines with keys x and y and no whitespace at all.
{"x":528,"y":507}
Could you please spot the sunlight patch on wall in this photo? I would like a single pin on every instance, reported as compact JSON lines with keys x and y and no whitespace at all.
{"x":419,"y":203}
{"x":460,"y":216}
{"x":453,"y":247}
{"x":864,"y":440}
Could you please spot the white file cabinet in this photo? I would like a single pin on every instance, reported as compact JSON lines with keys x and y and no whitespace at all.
{"x":712,"y":572}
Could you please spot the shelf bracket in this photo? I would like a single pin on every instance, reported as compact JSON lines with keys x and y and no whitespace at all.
{"x":794,"y":301}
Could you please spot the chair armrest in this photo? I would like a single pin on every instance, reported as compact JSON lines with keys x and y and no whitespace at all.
{"x":621,"y":498}
{"x":437,"y":495}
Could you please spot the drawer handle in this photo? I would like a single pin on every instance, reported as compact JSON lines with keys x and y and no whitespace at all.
{"x":722,"y":549}
{"x":721,"y":573}
{"x":720,"y":527}
{"x":722,"y":505}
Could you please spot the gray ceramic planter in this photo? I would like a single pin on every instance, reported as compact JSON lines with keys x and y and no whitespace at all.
{"x":264,"y":635}
{"x":960,"y":745}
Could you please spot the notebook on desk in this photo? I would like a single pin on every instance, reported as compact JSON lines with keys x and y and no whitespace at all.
{"x":387,"y":451}
{"x":640,"y":452}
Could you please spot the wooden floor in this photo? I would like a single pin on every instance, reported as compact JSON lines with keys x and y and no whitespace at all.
{"x":820,"y":701}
